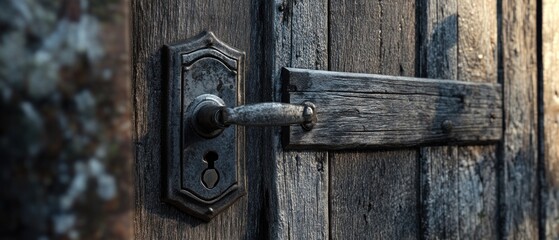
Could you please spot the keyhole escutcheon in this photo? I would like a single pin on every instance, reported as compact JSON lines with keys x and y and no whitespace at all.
{"x":210,"y":176}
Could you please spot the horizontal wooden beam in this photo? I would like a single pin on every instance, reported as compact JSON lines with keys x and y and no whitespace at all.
{"x":375,"y":111}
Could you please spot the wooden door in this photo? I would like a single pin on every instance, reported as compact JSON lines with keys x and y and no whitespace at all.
{"x":482,"y":190}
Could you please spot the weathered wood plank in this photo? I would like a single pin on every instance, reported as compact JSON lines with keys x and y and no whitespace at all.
{"x":458,"y":189}
{"x":439,"y":166}
{"x":438,"y":38}
{"x":65,"y":142}
{"x":550,"y":161}
{"x":365,"y":199}
{"x":160,"y":22}
{"x":477,"y":60}
{"x":373,"y":37}
{"x":366,"y":110}
{"x":440,"y":189}
{"x":519,"y":172}
{"x":299,"y":182}
{"x":458,"y":184}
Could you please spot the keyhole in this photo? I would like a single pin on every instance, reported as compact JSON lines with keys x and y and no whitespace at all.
{"x":210,"y":176}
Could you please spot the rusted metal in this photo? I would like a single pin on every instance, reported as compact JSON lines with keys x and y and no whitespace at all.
{"x":204,"y":171}
{"x":210,"y":116}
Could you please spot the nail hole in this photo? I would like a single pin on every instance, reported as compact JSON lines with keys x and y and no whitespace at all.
{"x":462,"y":98}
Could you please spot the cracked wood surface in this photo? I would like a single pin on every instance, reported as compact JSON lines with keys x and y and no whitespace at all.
{"x":449,"y":185}
{"x":519,"y":187}
{"x":550,"y":94}
{"x":379,"y":111}
{"x":299,"y":179}
{"x":458,"y":184}
{"x":373,"y":194}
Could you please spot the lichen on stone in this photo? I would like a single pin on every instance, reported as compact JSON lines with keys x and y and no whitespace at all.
{"x":55,"y":142}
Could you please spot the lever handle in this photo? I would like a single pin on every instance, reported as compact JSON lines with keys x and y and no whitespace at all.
{"x":211,"y":116}
{"x":268,"y":114}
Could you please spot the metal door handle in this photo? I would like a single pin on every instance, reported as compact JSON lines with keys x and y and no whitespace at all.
{"x":210,"y":115}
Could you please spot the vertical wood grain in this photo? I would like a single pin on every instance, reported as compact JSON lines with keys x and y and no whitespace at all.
{"x":299,"y":179}
{"x":550,"y":171}
{"x":519,"y":170}
{"x":160,"y":22}
{"x":373,"y":194}
{"x":439,"y":166}
{"x":458,"y":184}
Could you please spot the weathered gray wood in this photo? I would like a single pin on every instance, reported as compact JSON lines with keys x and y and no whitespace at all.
{"x":65,"y":144}
{"x":440,"y":192}
{"x":365,"y":202}
{"x":373,"y":37}
{"x":438,"y":38}
{"x":458,"y":184}
{"x":160,"y":22}
{"x":298,"y":180}
{"x":378,"y":111}
{"x":519,"y":190}
{"x":550,"y":141}
{"x":439,"y":166}
{"x":458,"y":189}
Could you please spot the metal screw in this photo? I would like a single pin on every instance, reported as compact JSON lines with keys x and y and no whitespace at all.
{"x":308,"y":113}
{"x":447,"y":126}
{"x":209,"y":41}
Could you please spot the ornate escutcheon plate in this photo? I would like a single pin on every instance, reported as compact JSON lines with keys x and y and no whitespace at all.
{"x":202,"y":176}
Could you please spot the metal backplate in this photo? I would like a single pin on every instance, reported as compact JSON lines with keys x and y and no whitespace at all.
{"x":203,"y":176}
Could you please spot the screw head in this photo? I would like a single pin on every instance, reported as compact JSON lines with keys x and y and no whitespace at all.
{"x":308,"y":113}
{"x":447,"y":126}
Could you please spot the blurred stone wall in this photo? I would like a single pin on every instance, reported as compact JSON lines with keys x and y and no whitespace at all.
{"x":65,"y":113}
